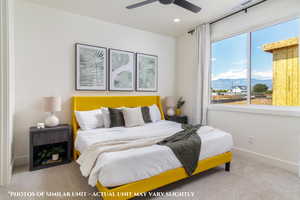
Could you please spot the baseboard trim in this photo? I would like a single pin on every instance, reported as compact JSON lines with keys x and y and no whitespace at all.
{"x":11,"y":168}
{"x":21,"y":160}
{"x":284,"y":164}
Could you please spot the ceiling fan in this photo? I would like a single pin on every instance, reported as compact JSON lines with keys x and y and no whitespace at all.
{"x":182,"y":3}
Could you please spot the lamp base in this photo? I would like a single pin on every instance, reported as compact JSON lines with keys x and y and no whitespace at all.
{"x":170,"y":112}
{"x":52,"y":121}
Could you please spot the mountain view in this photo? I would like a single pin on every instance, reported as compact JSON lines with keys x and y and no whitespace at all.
{"x":226,"y":84}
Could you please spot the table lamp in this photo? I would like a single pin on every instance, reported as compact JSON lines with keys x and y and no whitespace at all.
{"x":52,"y":105}
{"x":170,"y":104}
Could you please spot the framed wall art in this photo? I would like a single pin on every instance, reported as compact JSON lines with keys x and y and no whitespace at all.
{"x":121,"y":70}
{"x":91,"y":67}
{"x":146,"y":73}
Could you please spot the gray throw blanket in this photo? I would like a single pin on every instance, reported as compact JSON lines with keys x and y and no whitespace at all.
{"x":186,"y":146}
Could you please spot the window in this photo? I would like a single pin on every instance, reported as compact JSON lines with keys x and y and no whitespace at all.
{"x":229,"y":70}
{"x":274,"y":66}
{"x":260,"y":67}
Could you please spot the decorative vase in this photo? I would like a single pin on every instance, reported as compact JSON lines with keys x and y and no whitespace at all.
{"x":178,"y":111}
{"x":52,"y":120}
{"x":170,"y":112}
{"x":55,"y":157}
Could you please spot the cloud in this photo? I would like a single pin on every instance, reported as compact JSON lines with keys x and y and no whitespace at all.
{"x":262,"y":75}
{"x":242,"y":74}
{"x":231,"y":74}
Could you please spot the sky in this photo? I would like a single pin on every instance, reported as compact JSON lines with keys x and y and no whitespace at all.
{"x":229,"y":56}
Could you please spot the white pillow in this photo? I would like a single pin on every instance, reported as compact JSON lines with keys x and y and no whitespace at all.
{"x":90,"y":119}
{"x":106,"y":116}
{"x":154,"y":113}
{"x":133,"y":117}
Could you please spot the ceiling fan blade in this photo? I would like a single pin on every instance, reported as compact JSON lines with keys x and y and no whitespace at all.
{"x":187,"y":5}
{"x":141,"y":4}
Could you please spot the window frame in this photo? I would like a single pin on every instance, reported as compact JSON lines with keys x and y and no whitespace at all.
{"x":253,"y":108}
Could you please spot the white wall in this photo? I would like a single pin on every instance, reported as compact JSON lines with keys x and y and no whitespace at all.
{"x":6,"y":89}
{"x":186,"y":82}
{"x":276,"y":138}
{"x":12,"y":77}
{"x":45,"y":61}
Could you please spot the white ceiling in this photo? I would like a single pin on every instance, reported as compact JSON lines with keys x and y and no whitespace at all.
{"x":154,"y":17}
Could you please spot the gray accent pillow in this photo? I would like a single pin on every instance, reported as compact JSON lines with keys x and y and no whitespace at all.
{"x":116,"y":117}
{"x":146,"y":114}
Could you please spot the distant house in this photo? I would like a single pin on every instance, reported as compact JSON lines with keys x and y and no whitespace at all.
{"x":239,"y":89}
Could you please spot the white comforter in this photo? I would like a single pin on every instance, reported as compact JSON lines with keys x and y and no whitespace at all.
{"x":133,"y":164}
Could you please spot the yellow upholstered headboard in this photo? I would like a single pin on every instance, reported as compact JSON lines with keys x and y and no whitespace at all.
{"x":82,"y":103}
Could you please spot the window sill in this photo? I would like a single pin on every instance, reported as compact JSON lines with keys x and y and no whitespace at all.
{"x":289,"y":111}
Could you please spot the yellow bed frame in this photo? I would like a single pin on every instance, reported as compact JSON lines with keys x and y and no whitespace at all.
{"x":127,"y":191}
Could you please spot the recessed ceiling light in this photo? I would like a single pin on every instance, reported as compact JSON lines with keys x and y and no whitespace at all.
{"x":176,"y":20}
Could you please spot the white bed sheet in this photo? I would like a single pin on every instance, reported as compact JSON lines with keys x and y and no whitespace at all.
{"x":118,"y":168}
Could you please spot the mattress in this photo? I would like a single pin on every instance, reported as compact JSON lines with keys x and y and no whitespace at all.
{"x":122,"y":167}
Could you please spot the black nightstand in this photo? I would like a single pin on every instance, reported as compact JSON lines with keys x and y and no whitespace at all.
{"x":45,"y":140}
{"x":179,"y":119}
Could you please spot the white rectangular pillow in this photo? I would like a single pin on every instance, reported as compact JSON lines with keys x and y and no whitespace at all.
{"x":90,"y":119}
{"x":106,"y":118}
{"x":133,"y":117}
{"x":154,"y":113}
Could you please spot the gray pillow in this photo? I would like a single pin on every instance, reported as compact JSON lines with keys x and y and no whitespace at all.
{"x":116,"y":117}
{"x":146,"y":114}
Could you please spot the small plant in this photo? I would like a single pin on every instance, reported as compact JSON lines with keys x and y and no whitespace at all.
{"x":55,"y":150}
{"x":180,"y":103}
{"x":46,"y":154}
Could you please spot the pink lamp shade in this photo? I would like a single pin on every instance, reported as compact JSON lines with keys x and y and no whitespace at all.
{"x":170,"y":102}
{"x":52,"y":104}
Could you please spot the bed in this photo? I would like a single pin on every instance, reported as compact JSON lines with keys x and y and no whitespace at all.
{"x":119,"y":178}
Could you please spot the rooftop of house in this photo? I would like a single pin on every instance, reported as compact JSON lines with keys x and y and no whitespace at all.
{"x":281,"y":44}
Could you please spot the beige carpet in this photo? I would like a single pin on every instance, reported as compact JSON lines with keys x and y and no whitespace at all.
{"x":248,"y":180}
